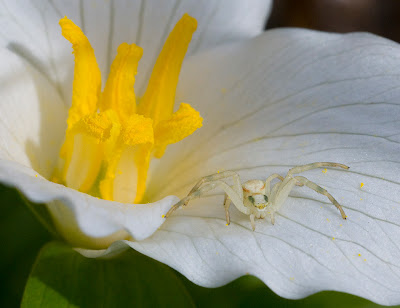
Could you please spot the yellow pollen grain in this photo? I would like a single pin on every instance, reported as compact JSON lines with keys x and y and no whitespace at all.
{"x":340,"y":225}
{"x":325,"y":170}
{"x":361,"y":185}
{"x":163,"y":216}
{"x":327,"y":220}
{"x":333,"y":238}
{"x":36,"y":175}
{"x":365,"y":260}
{"x":359,"y":254}
{"x":291,"y":278}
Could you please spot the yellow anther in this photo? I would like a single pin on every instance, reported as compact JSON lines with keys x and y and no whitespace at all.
{"x":96,"y":125}
{"x":119,"y":93}
{"x":87,"y":77}
{"x":137,"y":130}
{"x":181,"y":124}
{"x":159,"y":98}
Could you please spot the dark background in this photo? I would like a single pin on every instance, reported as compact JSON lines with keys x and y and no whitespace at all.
{"x":381,"y":17}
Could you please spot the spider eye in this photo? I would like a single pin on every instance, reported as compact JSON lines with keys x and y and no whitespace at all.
{"x":251,"y":198}
{"x":265,"y":198}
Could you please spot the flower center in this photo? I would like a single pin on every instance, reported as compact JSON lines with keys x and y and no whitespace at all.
{"x":110,"y":139}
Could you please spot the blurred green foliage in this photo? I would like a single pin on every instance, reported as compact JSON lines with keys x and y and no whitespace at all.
{"x":21,"y":237}
{"x":131,"y":278}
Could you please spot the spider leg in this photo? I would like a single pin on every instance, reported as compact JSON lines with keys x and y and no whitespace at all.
{"x":279,"y":194}
{"x":268,"y":182}
{"x":193,"y":195}
{"x":227,"y":203}
{"x":299,"y":169}
{"x":270,"y":179}
{"x":253,"y":225}
{"x":321,"y":191}
{"x":219,"y":176}
{"x":235,"y":196}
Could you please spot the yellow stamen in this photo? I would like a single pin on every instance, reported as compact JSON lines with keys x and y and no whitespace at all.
{"x":136,"y":131}
{"x":85,"y":162}
{"x":118,"y":93}
{"x":86,"y":150}
{"x":181,"y":124}
{"x":142,"y":161}
{"x":86,"y":91}
{"x":107,"y":133}
{"x":97,"y":125}
{"x":119,"y":96}
{"x":87,"y":77}
{"x":159,"y":98}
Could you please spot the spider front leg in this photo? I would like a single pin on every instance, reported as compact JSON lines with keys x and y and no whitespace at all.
{"x":197,"y":191}
{"x":234,"y":193}
{"x":192,"y":195}
{"x":216,"y":177}
{"x":271,"y":178}
{"x":321,"y":191}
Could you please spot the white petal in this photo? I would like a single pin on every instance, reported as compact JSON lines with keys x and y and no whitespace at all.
{"x":287,"y":98}
{"x":82,"y":220}
{"x":31,"y":29}
{"x":32,"y":115}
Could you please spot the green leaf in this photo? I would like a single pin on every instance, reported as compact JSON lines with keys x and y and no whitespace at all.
{"x":61,"y":277}
{"x":21,"y":236}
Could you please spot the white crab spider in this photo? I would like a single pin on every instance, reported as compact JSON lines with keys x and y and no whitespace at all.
{"x":255,"y":197}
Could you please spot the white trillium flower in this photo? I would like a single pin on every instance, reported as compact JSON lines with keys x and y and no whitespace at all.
{"x":270,"y":101}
